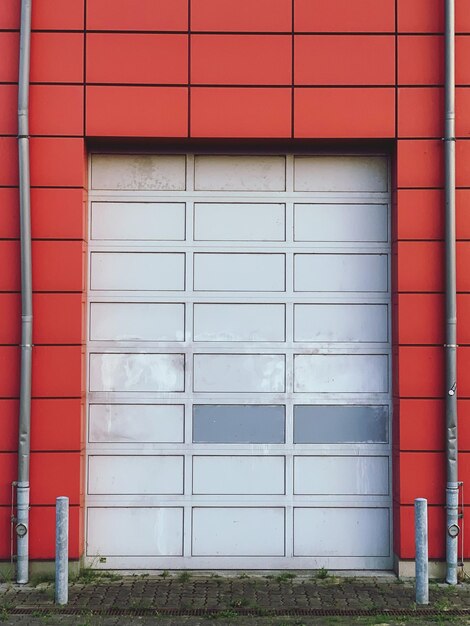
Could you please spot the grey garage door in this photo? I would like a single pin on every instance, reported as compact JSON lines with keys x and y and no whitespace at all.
{"x":238,"y":362}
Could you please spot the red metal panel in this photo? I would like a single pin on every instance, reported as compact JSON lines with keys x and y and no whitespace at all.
{"x":10,"y":46}
{"x":321,"y":112}
{"x":420,"y":266}
{"x":436,"y":532}
{"x":10,"y":369}
{"x":463,"y":372}
{"x":55,"y":474}
{"x":344,"y":60}
{"x":8,"y":110}
{"x":463,"y":318}
{"x":56,"y":110}
{"x":240,"y":112}
{"x":10,"y":257}
{"x":58,"y":213}
{"x":464,"y":425}
{"x":9,"y":425}
{"x":420,"y":372}
{"x":344,"y":16}
{"x":137,"y":111}
{"x":56,"y":424}
{"x":241,"y":15}
{"x":151,"y":15}
{"x":422,"y":475}
{"x":420,"y":112}
{"x":8,"y":161}
{"x":420,"y":163}
{"x":462,"y":54}
{"x":420,"y":16}
{"x":421,"y":425}
{"x":8,"y":469}
{"x":420,"y":318}
{"x":10,"y":314}
{"x":241,"y":60}
{"x":463,"y":263}
{"x":57,"y":162}
{"x":420,"y":60}
{"x":58,"y":15}
{"x":42,"y":529}
{"x":462,"y":174}
{"x":57,"y":371}
{"x":58,"y":318}
{"x":420,"y":214}
{"x":5,"y":526}
{"x":58,"y":266}
{"x":9,"y":14}
{"x":427,"y":16}
{"x":462,"y":111}
{"x":9,"y":222}
{"x":137,"y":59}
{"x":57,"y":57}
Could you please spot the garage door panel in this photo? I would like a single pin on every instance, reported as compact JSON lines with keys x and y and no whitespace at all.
{"x":368,"y":532}
{"x":238,"y":221}
{"x":239,"y":272}
{"x":128,"y":475}
{"x":137,"y":271}
{"x":341,"y":272}
{"x":251,"y":475}
{"x":136,"y":423}
{"x":341,"y":173}
{"x":239,"y":361}
{"x":341,"y":222}
{"x":225,"y":373}
{"x":136,"y":372}
{"x":129,"y":221}
{"x":341,"y":475}
{"x":239,"y":322}
{"x":243,"y":423}
{"x":341,"y":373}
{"x":142,"y":531}
{"x":239,"y":173}
{"x":335,"y":323}
{"x":136,"y":172}
{"x":236,"y":531}
{"x":134,"y":321}
{"x":329,"y":424}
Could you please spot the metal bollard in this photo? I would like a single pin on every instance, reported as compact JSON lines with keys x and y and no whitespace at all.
{"x":421,"y":543}
{"x":62,"y":551}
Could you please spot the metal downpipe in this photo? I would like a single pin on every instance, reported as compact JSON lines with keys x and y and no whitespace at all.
{"x":22,"y":517}
{"x":452,"y":487}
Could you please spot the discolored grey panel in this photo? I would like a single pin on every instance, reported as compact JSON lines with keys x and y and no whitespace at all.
{"x":340,"y":424}
{"x":238,"y":423}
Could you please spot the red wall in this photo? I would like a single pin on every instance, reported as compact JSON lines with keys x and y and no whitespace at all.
{"x":318,"y":69}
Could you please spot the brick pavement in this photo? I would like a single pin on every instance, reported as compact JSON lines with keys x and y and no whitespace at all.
{"x":143,"y":599}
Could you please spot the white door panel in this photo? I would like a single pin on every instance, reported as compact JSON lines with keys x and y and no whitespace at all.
{"x":238,"y":531}
{"x":239,"y":272}
{"x":239,"y":378}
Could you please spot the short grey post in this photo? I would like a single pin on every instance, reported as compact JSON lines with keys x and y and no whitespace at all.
{"x":62,"y":551}
{"x":421,"y":543}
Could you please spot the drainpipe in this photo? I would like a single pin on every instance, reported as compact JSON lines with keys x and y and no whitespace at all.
{"x":452,"y":486}
{"x":22,"y":486}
